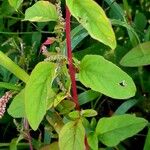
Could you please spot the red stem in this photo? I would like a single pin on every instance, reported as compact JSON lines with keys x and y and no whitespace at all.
{"x":71,"y":67}
{"x":70,"y":62}
{"x":86,"y":143}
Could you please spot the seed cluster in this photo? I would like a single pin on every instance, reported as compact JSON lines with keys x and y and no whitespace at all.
{"x":3,"y":101}
{"x":57,"y":57}
{"x":60,"y":27}
{"x":61,"y":19}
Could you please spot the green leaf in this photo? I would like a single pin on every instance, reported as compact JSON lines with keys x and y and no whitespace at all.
{"x":14,"y":142}
{"x":15,"y":3}
{"x":140,"y":25}
{"x":88,"y":96}
{"x":95,"y":49}
{"x":53,"y":146}
{"x":94,"y":21}
{"x":124,"y":107}
{"x":77,"y":35}
{"x":55,"y":120}
{"x":65,"y":106}
{"x":93,"y":141}
{"x":10,"y":10}
{"x":93,"y":123}
{"x":131,"y":31}
{"x":88,"y":113}
{"x":147,"y":141}
{"x":71,"y":136}
{"x":10,"y":86}
{"x":147,"y":35}
{"x":127,"y":8}
{"x":138,"y":56}
{"x":74,"y":114}
{"x":36,"y":40}
{"x":59,"y":97}
{"x":7,"y":63}
{"x":116,"y":9}
{"x":105,"y":77}
{"x":17,"y":107}
{"x":41,"y":11}
{"x":36,"y":92}
{"x":134,"y":39}
{"x":112,"y":130}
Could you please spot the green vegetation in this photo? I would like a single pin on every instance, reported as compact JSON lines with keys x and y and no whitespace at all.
{"x":74,"y":75}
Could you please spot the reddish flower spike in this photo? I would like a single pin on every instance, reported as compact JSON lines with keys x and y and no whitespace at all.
{"x":49,"y":41}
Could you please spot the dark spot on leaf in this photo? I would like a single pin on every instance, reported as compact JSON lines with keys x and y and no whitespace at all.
{"x":79,"y":18}
{"x":82,"y":20}
{"x":123,"y":83}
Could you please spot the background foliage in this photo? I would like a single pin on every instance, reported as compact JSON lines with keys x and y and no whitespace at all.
{"x":23,"y":31}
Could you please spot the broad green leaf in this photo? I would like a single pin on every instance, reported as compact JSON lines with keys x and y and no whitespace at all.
{"x":17,"y":107}
{"x":138,"y":56}
{"x":147,"y":141}
{"x":71,"y":136}
{"x":94,"y":21}
{"x":88,"y":113}
{"x":10,"y":86}
{"x":93,"y":141}
{"x":36,"y":92}
{"x":15,"y":3}
{"x":74,"y":114}
{"x":105,"y":77}
{"x":88,"y":96}
{"x":7,"y":63}
{"x":112,"y":130}
{"x":124,"y":107}
{"x":41,"y":11}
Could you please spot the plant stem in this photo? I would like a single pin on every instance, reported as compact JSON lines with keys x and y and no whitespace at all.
{"x":86,"y":143}
{"x":16,"y":33}
{"x":71,"y":67}
{"x":26,"y":126}
{"x":70,"y":62}
{"x":19,"y":144}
